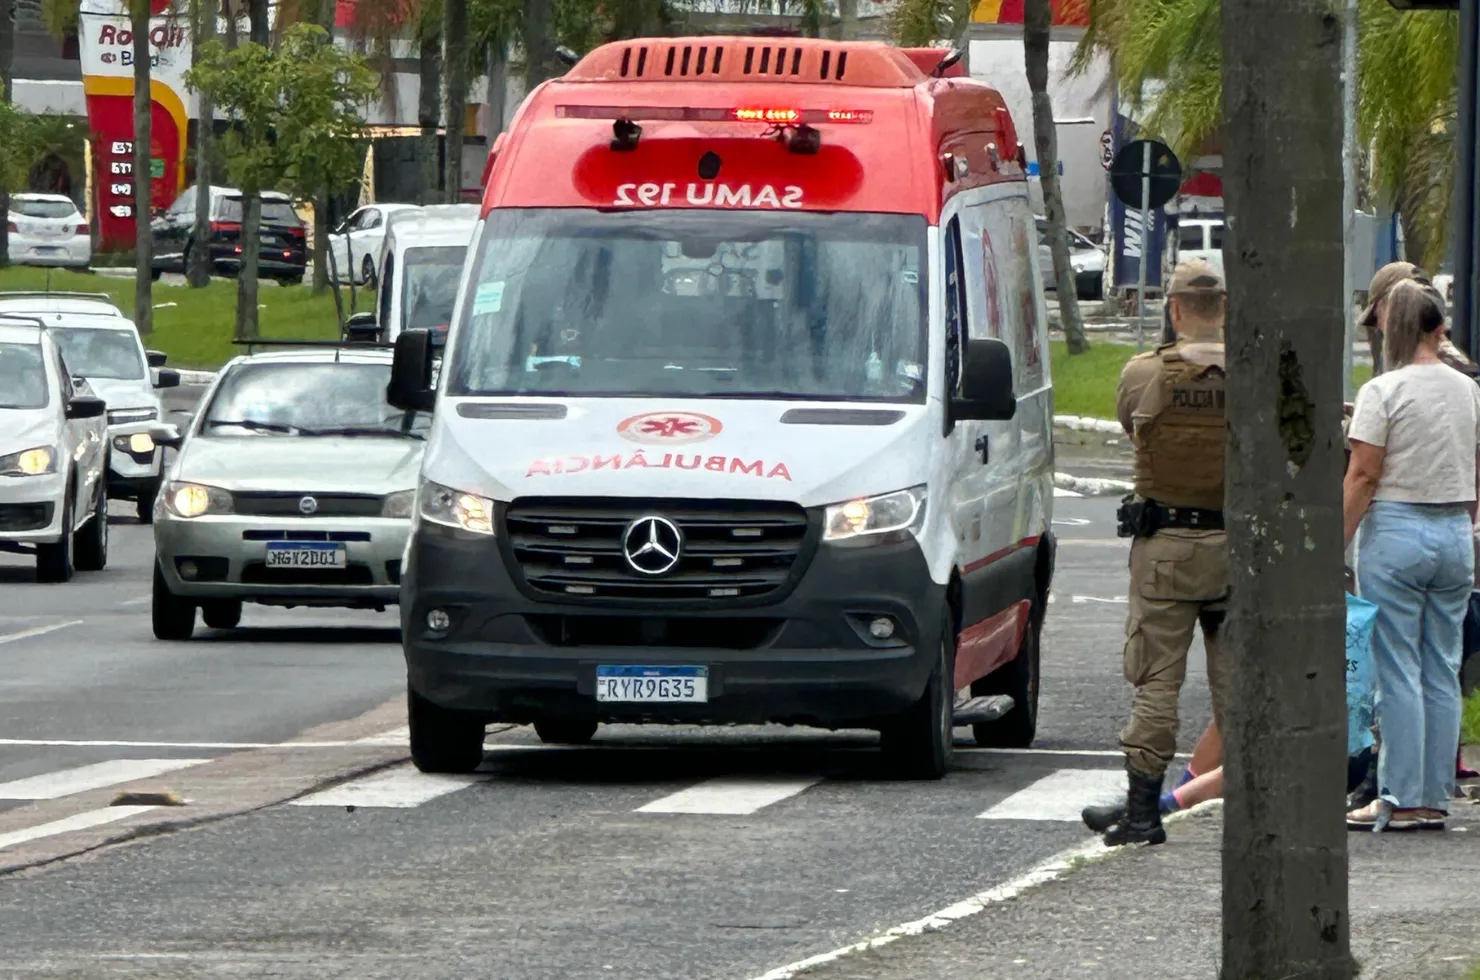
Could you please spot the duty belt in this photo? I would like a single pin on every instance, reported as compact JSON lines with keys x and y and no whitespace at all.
{"x":1143,"y":518}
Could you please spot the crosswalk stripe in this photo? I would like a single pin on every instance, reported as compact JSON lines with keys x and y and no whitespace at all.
{"x":65,"y":782}
{"x":729,"y":795}
{"x":77,"y":821}
{"x":401,"y":787}
{"x":1061,"y":795}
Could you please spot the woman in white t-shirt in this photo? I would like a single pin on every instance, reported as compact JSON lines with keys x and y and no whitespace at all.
{"x":1411,"y":485}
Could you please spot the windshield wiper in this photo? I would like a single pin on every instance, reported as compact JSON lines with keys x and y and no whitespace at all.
{"x":255,"y":426}
{"x":362,"y":430}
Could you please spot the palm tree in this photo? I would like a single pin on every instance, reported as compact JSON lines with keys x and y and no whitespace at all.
{"x":7,"y":61}
{"x":455,"y":62}
{"x":143,"y":205}
{"x":428,"y":109}
{"x":917,"y":23}
{"x":1037,"y":21}
{"x":198,"y":261}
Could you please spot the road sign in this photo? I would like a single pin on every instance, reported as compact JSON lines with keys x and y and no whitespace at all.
{"x":1135,"y":173}
{"x":1107,"y":149}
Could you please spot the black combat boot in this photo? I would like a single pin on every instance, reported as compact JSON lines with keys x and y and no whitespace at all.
{"x":1141,"y":823}
{"x":1102,"y":818}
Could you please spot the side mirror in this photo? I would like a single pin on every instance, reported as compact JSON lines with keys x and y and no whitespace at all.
{"x":86,"y":407}
{"x":166,"y":435}
{"x":410,"y":388}
{"x":157,"y":358}
{"x":167,"y":378}
{"x":986,"y":383}
{"x":362,"y":328}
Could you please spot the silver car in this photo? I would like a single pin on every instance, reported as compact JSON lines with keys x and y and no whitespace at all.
{"x":293,"y":487}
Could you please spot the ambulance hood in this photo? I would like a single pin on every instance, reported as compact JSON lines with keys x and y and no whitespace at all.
{"x":811,"y":453}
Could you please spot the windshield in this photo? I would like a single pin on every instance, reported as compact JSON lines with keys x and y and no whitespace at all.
{"x":43,"y":209}
{"x":100,"y":353}
{"x":429,"y":281}
{"x":317,"y":399}
{"x":716,"y":304}
{"x":22,"y":377}
{"x":273,"y":212}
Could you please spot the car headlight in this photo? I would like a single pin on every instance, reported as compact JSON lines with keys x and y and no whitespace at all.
{"x":194,"y":500}
{"x":29,"y":462}
{"x":123,"y":415}
{"x":864,"y":520}
{"x":399,"y":505}
{"x":454,"y":508}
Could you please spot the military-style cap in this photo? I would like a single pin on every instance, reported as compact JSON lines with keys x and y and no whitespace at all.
{"x":1382,"y":283}
{"x":1196,"y":276}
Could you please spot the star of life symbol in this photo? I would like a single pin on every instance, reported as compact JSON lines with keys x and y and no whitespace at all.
{"x":669,"y":428}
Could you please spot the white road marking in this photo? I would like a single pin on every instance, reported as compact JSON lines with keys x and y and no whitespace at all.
{"x":1071,"y":521}
{"x":1061,"y":492}
{"x":1114,"y":600}
{"x":396,"y":737}
{"x":1061,"y":795}
{"x":65,"y":782}
{"x":36,"y":631}
{"x":127,"y":744}
{"x":400,"y":787}
{"x":77,"y":821}
{"x":139,"y":601}
{"x":729,"y":795}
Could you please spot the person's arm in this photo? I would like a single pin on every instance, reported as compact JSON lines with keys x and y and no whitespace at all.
{"x":1357,"y":490}
{"x":1474,"y":506}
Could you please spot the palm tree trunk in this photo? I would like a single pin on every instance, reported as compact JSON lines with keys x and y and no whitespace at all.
{"x":258,"y":32}
{"x":324,"y":17}
{"x":540,"y":61}
{"x":428,"y":112}
{"x":198,"y":257}
{"x":1037,"y":21}
{"x":848,"y":20}
{"x":455,"y":59}
{"x":259,"y":23}
{"x":1285,"y":908}
{"x":7,"y":66}
{"x":498,"y":87}
{"x":143,"y":204}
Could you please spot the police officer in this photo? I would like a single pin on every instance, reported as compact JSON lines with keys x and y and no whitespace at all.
{"x":1171,"y":403}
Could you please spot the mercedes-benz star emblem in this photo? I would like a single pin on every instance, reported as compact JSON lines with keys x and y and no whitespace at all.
{"x":307,"y":505}
{"x":652,"y":545}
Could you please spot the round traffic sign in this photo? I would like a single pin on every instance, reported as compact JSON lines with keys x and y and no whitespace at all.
{"x":1129,"y":168}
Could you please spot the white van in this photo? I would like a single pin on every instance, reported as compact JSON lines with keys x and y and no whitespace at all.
{"x":772,"y":445}
{"x":1196,"y":238}
{"x":420,"y":265}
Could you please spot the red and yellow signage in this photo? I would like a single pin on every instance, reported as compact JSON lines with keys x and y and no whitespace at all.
{"x":1066,"y":13}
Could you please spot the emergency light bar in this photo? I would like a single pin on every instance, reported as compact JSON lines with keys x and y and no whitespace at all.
{"x":773,"y":116}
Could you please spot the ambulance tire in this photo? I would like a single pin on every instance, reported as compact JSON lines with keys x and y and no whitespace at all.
{"x":917,"y":743}
{"x":443,"y":740}
{"x":1020,"y":680}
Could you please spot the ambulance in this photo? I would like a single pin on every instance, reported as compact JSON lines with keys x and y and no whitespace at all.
{"x":745,"y":413}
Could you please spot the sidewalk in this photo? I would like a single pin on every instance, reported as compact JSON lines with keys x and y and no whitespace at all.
{"x":1154,"y":914}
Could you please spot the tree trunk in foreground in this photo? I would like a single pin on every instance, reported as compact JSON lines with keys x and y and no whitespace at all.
{"x":455,"y":65}
{"x":198,"y":257}
{"x":540,"y":61}
{"x":1284,"y":836}
{"x":7,"y":68}
{"x":143,"y":203}
{"x":1037,"y":19}
{"x":246,"y":276}
{"x":428,"y":111}
{"x":323,"y":15}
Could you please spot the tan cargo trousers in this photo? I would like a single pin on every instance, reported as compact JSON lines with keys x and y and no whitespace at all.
{"x":1179,"y":578}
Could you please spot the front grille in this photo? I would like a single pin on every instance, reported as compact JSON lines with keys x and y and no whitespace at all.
{"x":654,"y":631}
{"x":24,"y":517}
{"x":572,"y":548}
{"x":257,"y":573}
{"x":285,"y":535}
{"x":291,"y":504}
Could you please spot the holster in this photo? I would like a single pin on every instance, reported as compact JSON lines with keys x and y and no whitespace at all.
{"x":1136,"y":518}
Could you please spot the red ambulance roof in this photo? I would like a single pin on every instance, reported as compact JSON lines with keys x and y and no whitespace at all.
{"x":709,"y":109}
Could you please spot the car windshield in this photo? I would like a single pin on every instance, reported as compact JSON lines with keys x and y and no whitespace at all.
{"x":1191,"y":237}
{"x":96,"y":353}
{"x":43,"y":209}
{"x":716,"y":304}
{"x":308,"y":399}
{"x":22,"y":376}
{"x":429,"y":285}
{"x":273,"y":212}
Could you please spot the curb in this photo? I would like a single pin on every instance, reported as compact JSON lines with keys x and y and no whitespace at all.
{"x":1085,"y":424}
{"x":1091,"y":486}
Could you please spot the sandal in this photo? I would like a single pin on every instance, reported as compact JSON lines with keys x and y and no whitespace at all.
{"x":1380,"y":815}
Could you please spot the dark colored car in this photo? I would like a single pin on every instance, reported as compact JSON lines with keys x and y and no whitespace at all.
{"x":282,"y":239}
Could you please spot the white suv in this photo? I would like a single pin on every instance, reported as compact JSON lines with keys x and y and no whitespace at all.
{"x":53,"y":502}
{"x":102,"y":345}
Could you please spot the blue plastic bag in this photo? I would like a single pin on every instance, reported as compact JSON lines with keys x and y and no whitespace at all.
{"x":1361,"y":617}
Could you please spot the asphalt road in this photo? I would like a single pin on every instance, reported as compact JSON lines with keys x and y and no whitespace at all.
{"x":656,"y":853}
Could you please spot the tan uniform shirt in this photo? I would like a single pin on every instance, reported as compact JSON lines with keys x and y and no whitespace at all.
{"x":1139,"y":373}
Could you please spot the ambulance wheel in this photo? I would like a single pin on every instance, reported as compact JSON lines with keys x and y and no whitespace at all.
{"x":565,"y":731}
{"x":917,"y":742}
{"x":443,"y":739}
{"x":1020,"y":680}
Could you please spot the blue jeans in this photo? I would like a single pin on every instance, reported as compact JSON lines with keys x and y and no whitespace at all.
{"x":1416,"y":562}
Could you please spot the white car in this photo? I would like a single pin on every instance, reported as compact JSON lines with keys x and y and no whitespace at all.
{"x":356,"y":242}
{"x":102,"y":345}
{"x":53,"y":501}
{"x":421,"y":265}
{"x":1085,"y":257}
{"x":1197,"y":238}
{"x":47,"y":229}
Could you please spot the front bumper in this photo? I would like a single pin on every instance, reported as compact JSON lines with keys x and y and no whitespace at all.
{"x":229,"y":552}
{"x":805,"y":658}
{"x":31,"y":509}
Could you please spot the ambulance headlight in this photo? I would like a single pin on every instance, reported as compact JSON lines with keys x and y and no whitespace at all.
{"x":454,"y":508}
{"x":872,"y":520}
